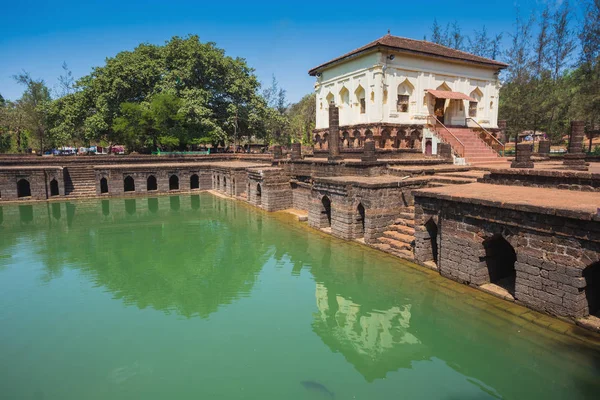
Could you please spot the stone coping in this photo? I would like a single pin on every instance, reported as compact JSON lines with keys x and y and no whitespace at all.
{"x":202,"y":165}
{"x":555,"y":173}
{"x":577,"y":205}
{"x":373,"y":182}
{"x":30,"y":168}
{"x":379,"y":162}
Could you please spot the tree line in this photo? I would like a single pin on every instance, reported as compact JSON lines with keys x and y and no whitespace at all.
{"x":553,"y":75}
{"x":177,"y":96}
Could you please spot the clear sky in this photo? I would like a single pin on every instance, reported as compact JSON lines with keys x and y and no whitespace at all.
{"x":283,"y":38}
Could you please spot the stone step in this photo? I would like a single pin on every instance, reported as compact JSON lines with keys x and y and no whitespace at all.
{"x":410,"y":222}
{"x":453,"y":180}
{"x":404,"y":229}
{"x":395,"y":244}
{"x":401,"y":237}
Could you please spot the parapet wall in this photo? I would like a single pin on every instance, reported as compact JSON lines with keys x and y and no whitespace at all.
{"x":554,"y":255}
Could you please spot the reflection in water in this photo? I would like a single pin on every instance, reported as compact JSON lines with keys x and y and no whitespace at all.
{"x":1,"y":215}
{"x":56,"y":210}
{"x":397,"y":327}
{"x":130,"y":206}
{"x":195,"y":201}
{"x":153,"y":205}
{"x":105,"y":207}
{"x":175,"y":203}
{"x":26,"y":213}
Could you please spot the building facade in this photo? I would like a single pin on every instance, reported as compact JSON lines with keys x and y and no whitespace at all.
{"x":393,"y":86}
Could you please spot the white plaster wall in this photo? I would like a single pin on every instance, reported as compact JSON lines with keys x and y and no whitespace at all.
{"x":376,"y":73}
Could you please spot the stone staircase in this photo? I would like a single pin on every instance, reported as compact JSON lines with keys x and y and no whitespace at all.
{"x":80,"y":181}
{"x":399,"y":239}
{"x":477,"y":152}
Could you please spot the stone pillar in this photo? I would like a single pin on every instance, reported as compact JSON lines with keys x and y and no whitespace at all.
{"x":369,"y":151}
{"x":296,"y":151}
{"x":334,"y":133}
{"x":502,"y":131}
{"x":523,"y":156}
{"x":444,"y":150}
{"x":277,"y":152}
{"x":544,"y":148}
{"x":575,"y":158}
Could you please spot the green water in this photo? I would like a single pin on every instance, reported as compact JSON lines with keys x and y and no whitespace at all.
{"x":196,"y":297}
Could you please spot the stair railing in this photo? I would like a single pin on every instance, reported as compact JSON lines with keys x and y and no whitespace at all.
{"x":489,"y":139}
{"x":447,"y":136}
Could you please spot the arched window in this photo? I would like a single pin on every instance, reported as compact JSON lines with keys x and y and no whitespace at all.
{"x":345,"y":96}
{"x":151,"y":183}
{"x":359,"y":93}
{"x":330,"y":99}
{"x":103,"y":185}
{"x":23,"y":188}
{"x":386,"y":141}
{"x":128,"y":184}
{"x":174,"y":182}
{"x":194,"y":182}
{"x":405,"y":90}
{"x":476,"y":95}
{"x":54,"y":188}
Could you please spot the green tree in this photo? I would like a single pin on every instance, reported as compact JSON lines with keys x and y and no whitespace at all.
{"x":35,"y":104}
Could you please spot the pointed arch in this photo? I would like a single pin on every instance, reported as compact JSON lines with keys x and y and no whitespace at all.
{"x":330,"y":99}
{"x":444,"y":86}
{"x":473,"y":105}
{"x":258,"y":194}
{"x":360,"y":219}
{"x":103,"y":185}
{"x":360,"y":94}
{"x":129,"y":184}
{"x":173,"y":182}
{"x":194,"y":182}
{"x":325,"y":212}
{"x":405,"y":92}
{"x":151,"y":183}
{"x":54,"y":187}
{"x":344,"y":96}
{"x":500,"y":259}
{"x":23,"y":188}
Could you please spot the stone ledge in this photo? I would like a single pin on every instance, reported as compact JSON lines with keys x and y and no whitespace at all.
{"x":576,"y":205}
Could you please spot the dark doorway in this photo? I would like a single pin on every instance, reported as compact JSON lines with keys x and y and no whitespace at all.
{"x":23,"y":188}
{"x":103,"y":185}
{"x":54,"y":188}
{"x":224,"y":184}
{"x":173,"y":182}
{"x":360,"y":220}
{"x":438,"y":109}
{"x":194,"y":182}
{"x":326,"y":211}
{"x":129,"y":184}
{"x":258,"y":194}
{"x":151,"y":183}
{"x":500,"y":258}
{"x":428,"y":147}
{"x":432,"y":230}
{"x":592,"y":288}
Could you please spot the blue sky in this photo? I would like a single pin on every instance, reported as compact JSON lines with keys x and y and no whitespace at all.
{"x":283,"y":38}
